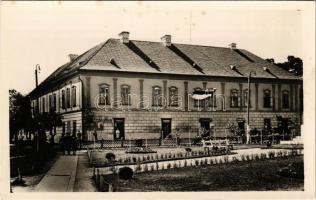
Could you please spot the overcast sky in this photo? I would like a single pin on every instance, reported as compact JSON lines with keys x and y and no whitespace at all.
{"x":46,"y":32}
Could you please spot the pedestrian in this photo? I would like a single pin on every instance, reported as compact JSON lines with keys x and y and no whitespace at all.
{"x":79,"y":139}
{"x":95,"y":134}
{"x":68,"y":143}
{"x":117,"y":134}
{"x":74,"y":144}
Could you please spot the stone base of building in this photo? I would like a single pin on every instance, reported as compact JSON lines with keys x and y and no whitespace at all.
{"x":148,"y":124}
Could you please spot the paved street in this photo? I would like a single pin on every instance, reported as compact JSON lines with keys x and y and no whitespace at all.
{"x":61,"y":177}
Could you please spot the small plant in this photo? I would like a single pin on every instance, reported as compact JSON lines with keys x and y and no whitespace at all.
{"x":185,"y":163}
{"x":263,"y":156}
{"x":162,"y":167}
{"x":138,"y":168}
{"x":144,"y":158}
{"x":145,"y":168}
{"x":271,"y":154}
{"x":110,"y":156}
{"x":152,"y":167}
{"x":205,"y":161}
{"x":257,"y":157}
{"x":235,"y":160}
{"x":247,"y":158}
{"x":196,"y":162}
{"x":138,"y":159}
{"x":279,"y":154}
{"x":134,"y":159}
{"x":225,"y":159}
{"x":148,"y":157}
{"x":157,"y":166}
{"x":168,"y":166}
{"x":211,"y":162}
{"x":125,"y":173}
{"x":156,"y":156}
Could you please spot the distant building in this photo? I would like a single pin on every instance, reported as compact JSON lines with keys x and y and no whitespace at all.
{"x":129,"y":89}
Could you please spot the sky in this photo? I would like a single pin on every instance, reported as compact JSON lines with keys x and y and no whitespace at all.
{"x":45,"y":33}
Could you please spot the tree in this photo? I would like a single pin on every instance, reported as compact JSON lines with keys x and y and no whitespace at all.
{"x":20,"y":114}
{"x":293,"y":65}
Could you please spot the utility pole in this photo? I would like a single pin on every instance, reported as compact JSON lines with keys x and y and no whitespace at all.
{"x":37,"y":69}
{"x":248,"y":102}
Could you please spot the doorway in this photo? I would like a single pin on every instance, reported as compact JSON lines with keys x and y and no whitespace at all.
{"x":205,"y":126}
{"x":165,"y":127}
{"x":119,"y":129}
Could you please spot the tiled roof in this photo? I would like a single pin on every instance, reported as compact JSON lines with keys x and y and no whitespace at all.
{"x":154,"y":57}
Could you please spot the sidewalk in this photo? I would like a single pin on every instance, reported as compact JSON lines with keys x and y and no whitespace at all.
{"x":61,"y":177}
{"x":84,"y":181}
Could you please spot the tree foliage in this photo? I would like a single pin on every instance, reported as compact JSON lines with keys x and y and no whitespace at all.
{"x":20,"y":115}
{"x":293,"y":65}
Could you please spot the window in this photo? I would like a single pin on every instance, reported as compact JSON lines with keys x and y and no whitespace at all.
{"x":54,"y":102}
{"x":173,"y":96}
{"x":68,"y":97}
{"x":285,"y":99}
{"x":245,"y":98}
{"x":43,"y":104}
{"x":73,"y":96}
{"x":211,"y":101}
{"x":63,"y":99}
{"x":234,"y":99}
{"x":50,"y":103}
{"x":267,"y":101}
{"x":74,"y":127}
{"x":126,"y":94}
{"x":104,"y":94}
{"x":198,"y":103}
{"x":64,"y":128}
{"x":157,"y":98}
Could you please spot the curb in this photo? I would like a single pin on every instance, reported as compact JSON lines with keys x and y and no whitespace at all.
{"x":72,"y":179}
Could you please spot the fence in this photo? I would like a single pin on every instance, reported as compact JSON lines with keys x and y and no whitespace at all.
{"x":100,"y":144}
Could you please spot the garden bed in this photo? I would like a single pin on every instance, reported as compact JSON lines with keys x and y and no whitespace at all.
{"x":97,"y":158}
{"x":257,"y":175}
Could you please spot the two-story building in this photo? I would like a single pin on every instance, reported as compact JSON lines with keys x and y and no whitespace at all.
{"x":130,"y":89}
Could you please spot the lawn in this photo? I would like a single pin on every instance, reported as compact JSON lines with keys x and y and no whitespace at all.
{"x":245,"y":176}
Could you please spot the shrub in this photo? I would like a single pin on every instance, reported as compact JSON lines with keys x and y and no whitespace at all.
{"x":271,"y":154}
{"x":110,"y":156}
{"x":125,"y":173}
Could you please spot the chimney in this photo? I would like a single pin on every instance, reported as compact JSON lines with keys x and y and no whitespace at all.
{"x":233,"y":45}
{"x":166,"y":39}
{"x":124,"y":36}
{"x":72,"y":57}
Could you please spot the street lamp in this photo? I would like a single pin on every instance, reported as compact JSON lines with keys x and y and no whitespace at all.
{"x":248,"y":102}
